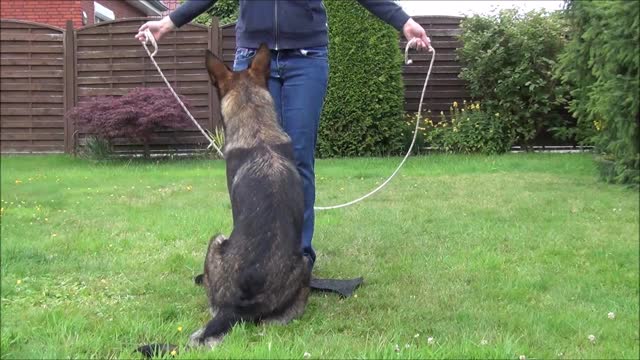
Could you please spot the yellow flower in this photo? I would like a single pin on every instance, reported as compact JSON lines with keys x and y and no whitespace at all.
{"x":455,"y":104}
{"x":18,"y":182}
{"x":179,"y":328}
{"x":174,"y":353}
{"x":597,"y":124}
{"x":18,"y":281}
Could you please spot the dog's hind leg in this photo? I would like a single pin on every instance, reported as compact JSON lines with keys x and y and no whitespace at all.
{"x":214,"y":244}
{"x":296,"y":307}
{"x":212,"y":333}
{"x":294,"y":310}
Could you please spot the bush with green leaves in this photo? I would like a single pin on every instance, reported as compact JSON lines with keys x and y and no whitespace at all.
{"x":363,"y":109}
{"x":508,"y":60}
{"x":601,"y":65}
{"x":225,"y":10}
{"x":470,"y":129}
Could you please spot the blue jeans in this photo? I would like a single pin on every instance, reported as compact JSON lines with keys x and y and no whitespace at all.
{"x":298,"y":84}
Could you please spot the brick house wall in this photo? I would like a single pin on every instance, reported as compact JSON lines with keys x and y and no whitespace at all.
{"x":57,"y":12}
{"x":120,"y":8}
{"x":52,"y":12}
{"x":171,"y":5}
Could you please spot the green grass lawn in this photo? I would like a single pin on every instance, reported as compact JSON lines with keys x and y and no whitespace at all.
{"x":491,"y":257}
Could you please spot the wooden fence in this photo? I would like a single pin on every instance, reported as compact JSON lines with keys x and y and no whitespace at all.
{"x":32,"y":91}
{"x":46,"y":71}
{"x":444,"y":85}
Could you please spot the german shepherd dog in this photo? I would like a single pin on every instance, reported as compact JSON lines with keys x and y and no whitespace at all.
{"x":258,"y":273}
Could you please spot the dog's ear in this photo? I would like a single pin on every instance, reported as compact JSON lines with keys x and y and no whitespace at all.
{"x":261,"y":65}
{"x":219,"y":73}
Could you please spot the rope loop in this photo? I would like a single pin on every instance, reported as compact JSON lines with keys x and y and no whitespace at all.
{"x":150,"y":38}
{"x":407,"y":61}
{"x":411,"y":43}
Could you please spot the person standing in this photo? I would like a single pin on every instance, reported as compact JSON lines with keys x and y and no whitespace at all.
{"x":296,"y":31}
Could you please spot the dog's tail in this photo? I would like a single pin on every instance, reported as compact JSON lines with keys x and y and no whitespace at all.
{"x":159,"y":350}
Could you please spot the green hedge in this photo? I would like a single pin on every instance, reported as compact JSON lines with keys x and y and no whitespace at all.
{"x":601,"y":65}
{"x":364,"y":106}
{"x":363,"y":110}
{"x":508,"y":60}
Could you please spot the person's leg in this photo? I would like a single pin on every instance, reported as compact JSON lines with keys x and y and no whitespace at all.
{"x":304,"y":75}
{"x":298,"y":85}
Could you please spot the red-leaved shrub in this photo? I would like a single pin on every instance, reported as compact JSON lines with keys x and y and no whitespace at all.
{"x":136,"y":115}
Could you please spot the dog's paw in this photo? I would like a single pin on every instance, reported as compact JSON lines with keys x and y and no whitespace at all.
{"x":196,"y":340}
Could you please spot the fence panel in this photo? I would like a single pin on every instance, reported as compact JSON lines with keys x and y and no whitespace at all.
{"x":444,"y":85}
{"x":32,"y":87}
{"x":110,"y":62}
{"x":46,"y":71}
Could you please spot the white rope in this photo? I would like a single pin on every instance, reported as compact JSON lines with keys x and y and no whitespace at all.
{"x":150,"y":38}
{"x":415,"y":132}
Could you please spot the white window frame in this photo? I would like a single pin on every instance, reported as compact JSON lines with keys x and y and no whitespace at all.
{"x":102,"y":13}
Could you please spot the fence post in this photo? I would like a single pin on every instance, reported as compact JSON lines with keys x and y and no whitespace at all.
{"x":214,"y":45}
{"x":69,"y":86}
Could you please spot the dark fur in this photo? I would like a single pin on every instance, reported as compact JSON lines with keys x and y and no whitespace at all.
{"x":259,"y":272}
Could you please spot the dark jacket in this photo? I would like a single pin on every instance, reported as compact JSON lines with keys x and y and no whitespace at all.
{"x":286,"y":24}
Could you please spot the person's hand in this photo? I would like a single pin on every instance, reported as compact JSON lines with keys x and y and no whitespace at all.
{"x":159,"y":28}
{"x":411,"y":30}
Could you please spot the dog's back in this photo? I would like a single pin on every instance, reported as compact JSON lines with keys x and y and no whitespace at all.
{"x":259,"y":272}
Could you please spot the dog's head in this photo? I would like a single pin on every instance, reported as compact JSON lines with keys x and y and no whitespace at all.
{"x":226,"y":80}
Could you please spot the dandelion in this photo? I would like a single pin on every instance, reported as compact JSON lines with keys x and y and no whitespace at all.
{"x":54,"y":234}
{"x":18,"y":281}
{"x":174,"y":353}
{"x":455,"y":104}
{"x":180,"y":328}
{"x":18,"y":182}
{"x":611,"y":315}
{"x":189,"y":188}
{"x":306,"y":355}
{"x":592,"y":338}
